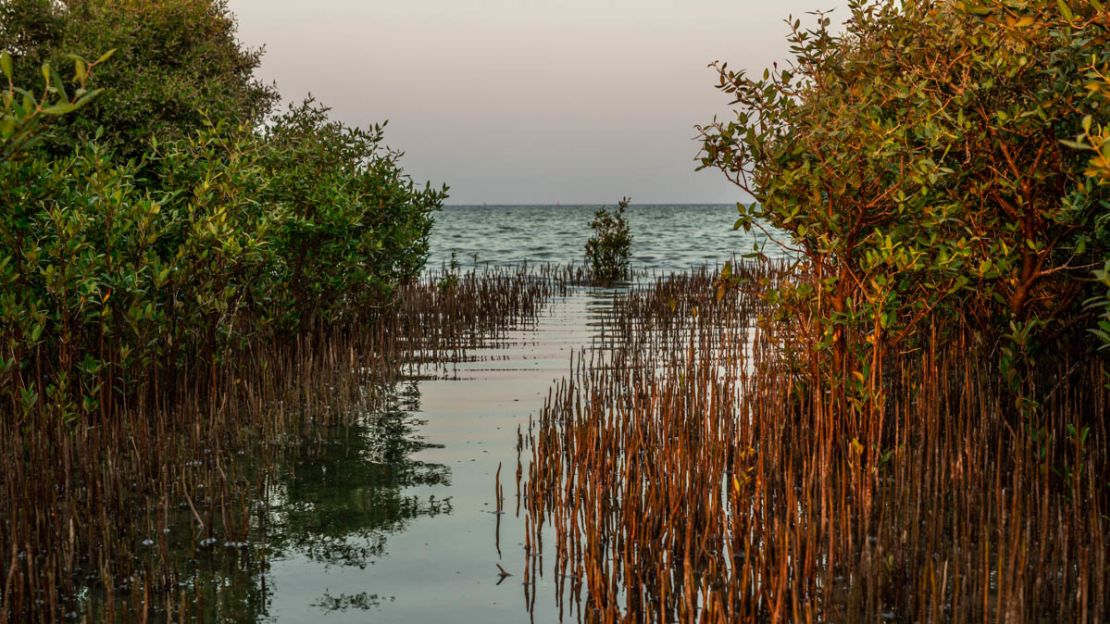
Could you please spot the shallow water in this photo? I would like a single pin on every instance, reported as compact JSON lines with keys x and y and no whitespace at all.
{"x":429,"y":537}
{"x":411,"y":535}
{"x":392,"y":518}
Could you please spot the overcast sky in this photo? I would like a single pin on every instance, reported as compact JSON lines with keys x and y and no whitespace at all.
{"x":540,"y":101}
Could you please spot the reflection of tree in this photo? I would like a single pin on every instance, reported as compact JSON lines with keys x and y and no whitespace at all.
{"x":362,"y":601}
{"x":340,"y":495}
{"x":334,"y":498}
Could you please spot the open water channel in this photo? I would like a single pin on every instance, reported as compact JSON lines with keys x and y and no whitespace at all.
{"x":393,"y":517}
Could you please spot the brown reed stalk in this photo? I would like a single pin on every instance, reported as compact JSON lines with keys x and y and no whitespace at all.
{"x":121,"y":507}
{"x":691,"y":471}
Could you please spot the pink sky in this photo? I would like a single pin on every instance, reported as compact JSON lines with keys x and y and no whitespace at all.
{"x":528,"y":102}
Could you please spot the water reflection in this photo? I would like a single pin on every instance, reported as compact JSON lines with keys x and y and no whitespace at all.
{"x":333,"y":498}
{"x":361,"y":601}
{"x":337,"y":499}
{"x":341,"y":494}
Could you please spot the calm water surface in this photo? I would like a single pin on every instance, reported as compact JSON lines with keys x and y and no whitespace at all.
{"x":400,"y":509}
{"x":391,"y":519}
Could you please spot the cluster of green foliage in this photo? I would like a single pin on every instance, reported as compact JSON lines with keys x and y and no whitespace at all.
{"x":24,"y":110}
{"x":178,"y":64}
{"x":129,"y":254}
{"x":608,"y":250}
{"x":356,"y":224}
{"x":1096,"y":139}
{"x":920,"y":162}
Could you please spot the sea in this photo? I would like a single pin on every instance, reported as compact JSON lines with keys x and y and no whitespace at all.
{"x":665,"y":237}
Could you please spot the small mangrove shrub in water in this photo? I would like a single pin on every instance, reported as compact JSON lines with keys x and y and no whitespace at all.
{"x":608,"y":250}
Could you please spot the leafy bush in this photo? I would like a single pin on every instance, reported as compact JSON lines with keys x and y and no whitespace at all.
{"x":178,"y":65}
{"x":607,"y":251}
{"x":1096,"y":139}
{"x":918,"y":163}
{"x":1101,"y":304}
{"x":120,"y":273}
{"x":23,"y":110}
{"x":356,"y":225}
